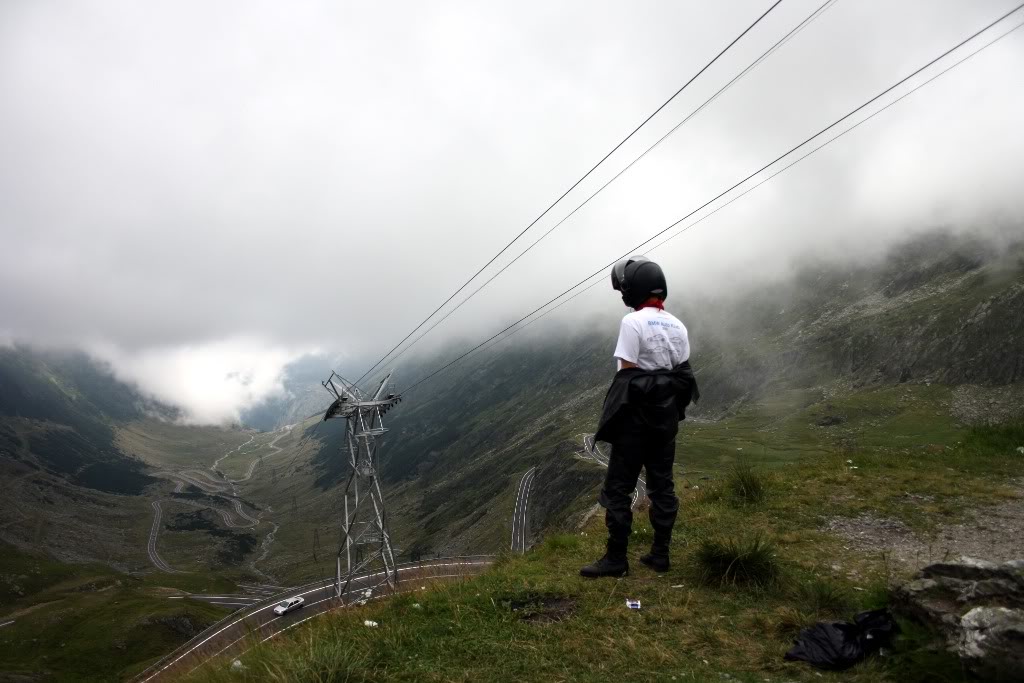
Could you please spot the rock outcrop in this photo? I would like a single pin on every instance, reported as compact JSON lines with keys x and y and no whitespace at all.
{"x":978,"y":607}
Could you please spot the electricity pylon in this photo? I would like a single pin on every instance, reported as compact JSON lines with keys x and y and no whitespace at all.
{"x":365,"y":541}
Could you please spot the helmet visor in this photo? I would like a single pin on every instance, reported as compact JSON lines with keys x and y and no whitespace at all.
{"x":619,"y":274}
{"x":619,"y":281}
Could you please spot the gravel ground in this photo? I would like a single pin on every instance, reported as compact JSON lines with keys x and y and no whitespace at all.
{"x":994,"y":533}
{"x":976,"y":405}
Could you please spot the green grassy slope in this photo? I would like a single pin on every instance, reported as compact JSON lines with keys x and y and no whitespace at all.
{"x":940,"y":318}
{"x":533,"y":618}
{"x":88,"y":622}
{"x":940,"y":310}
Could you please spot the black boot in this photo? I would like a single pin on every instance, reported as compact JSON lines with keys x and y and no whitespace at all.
{"x":657,"y":559}
{"x":614,"y":563}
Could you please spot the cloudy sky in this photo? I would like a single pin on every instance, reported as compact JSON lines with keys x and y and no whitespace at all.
{"x":200,"y":192}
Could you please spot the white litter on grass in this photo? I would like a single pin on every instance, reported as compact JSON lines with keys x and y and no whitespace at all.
{"x":1020,"y":449}
{"x":368,"y":593}
{"x":849,"y":462}
{"x":237,"y":665}
{"x":371,"y":624}
{"x":417,"y":605}
{"x":632,"y":604}
{"x":679,"y":585}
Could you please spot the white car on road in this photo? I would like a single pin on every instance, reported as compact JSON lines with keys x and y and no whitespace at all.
{"x":288,"y":605}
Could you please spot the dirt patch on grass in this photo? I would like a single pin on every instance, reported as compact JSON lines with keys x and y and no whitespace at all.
{"x":543,"y":609}
{"x":994,"y":533}
{"x":868,"y":533}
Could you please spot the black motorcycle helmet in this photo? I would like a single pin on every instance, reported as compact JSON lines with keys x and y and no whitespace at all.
{"x":638,"y":279}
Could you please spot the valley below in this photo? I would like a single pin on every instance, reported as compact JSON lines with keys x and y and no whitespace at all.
{"x":880,"y":406}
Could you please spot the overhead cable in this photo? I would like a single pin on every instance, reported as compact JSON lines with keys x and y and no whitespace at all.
{"x":762,"y":182}
{"x":571,"y":188}
{"x":824,"y":7}
{"x":769,"y":177}
{"x":824,"y":130}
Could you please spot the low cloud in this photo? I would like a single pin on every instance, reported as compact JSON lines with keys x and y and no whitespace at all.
{"x":199,"y":192}
{"x":212,"y":383}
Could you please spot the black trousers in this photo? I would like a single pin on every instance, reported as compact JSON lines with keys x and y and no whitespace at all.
{"x":628,"y":457}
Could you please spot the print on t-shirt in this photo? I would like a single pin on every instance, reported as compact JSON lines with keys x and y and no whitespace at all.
{"x":653,"y":339}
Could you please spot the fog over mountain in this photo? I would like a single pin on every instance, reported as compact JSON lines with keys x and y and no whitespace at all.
{"x":200,"y":194}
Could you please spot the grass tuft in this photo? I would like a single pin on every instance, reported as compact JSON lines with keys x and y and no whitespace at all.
{"x":738,"y":560}
{"x":562,"y":542}
{"x":746,"y":486}
{"x":821,"y":596}
{"x":790,"y":620}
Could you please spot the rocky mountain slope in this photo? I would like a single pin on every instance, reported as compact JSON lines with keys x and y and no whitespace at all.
{"x":940,"y":310}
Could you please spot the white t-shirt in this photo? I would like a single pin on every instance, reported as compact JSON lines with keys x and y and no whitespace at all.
{"x":653,"y":339}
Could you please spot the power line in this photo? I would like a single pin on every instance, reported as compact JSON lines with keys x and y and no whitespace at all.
{"x":766,"y":179}
{"x":574,"y":185}
{"x":839,"y":135}
{"x":824,"y":7}
{"x":752,"y":175}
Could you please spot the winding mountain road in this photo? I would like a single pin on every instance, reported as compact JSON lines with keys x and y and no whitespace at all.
{"x":205,"y":481}
{"x":214,"y":467}
{"x":219,"y":485}
{"x":254,"y":620}
{"x":257,"y":622}
{"x":594,"y":451}
{"x":273,"y":446}
{"x":216,"y":484}
{"x":240,"y":511}
{"x":520,"y":528}
{"x":188,"y":477}
{"x":154,"y":534}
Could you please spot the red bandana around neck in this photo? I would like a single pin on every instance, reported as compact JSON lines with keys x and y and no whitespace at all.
{"x":653,"y":302}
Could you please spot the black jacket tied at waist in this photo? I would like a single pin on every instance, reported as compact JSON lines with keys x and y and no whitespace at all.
{"x":647,"y":404}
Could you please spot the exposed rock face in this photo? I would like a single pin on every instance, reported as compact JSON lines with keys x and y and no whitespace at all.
{"x":978,"y":607}
{"x":992,"y":642}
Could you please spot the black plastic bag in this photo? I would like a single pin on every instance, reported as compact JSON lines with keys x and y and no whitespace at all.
{"x":839,"y":645}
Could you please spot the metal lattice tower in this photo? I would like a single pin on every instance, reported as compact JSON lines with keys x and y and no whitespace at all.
{"x":365,"y":543}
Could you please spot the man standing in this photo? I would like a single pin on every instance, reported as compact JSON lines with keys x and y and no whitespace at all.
{"x":641,"y":414}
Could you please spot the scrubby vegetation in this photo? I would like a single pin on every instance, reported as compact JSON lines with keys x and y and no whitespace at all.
{"x":747,"y":560}
{"x":746,"y":486}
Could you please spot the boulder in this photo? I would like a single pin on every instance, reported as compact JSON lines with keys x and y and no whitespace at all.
{"x":978,"y":608}
{"x":992,"y":643}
